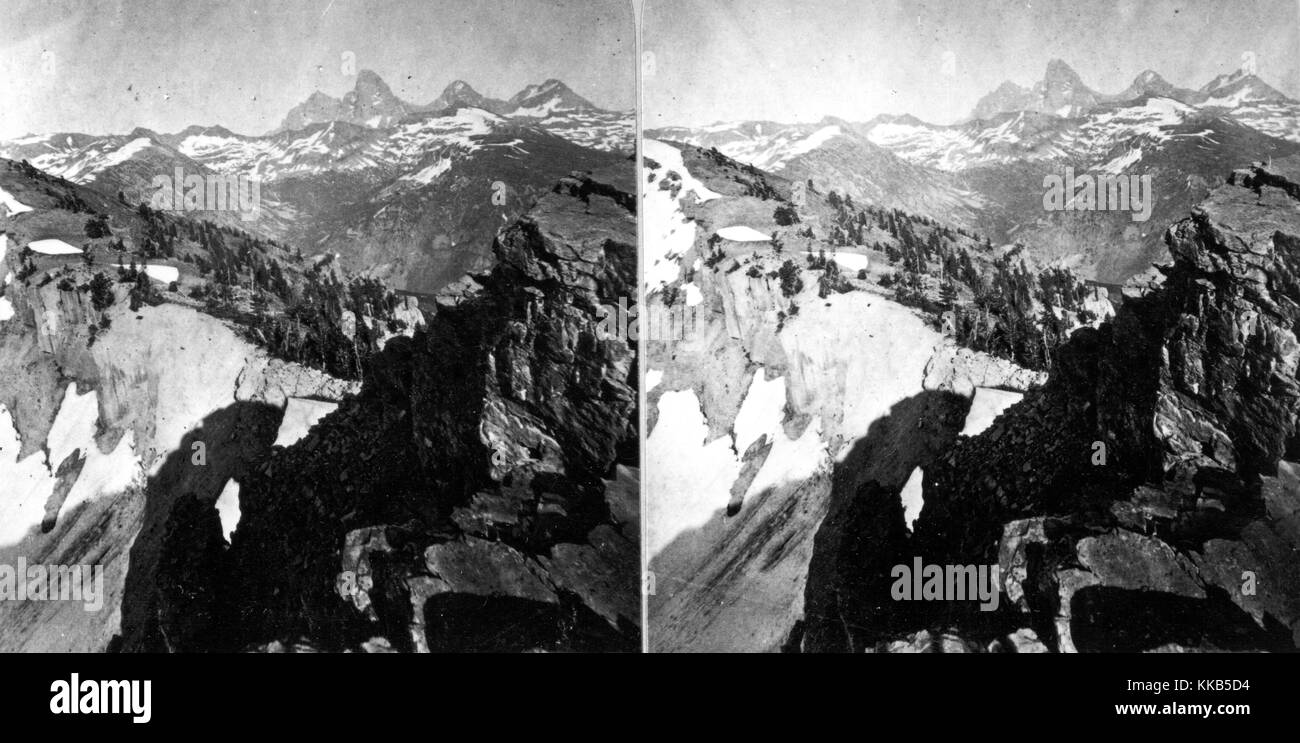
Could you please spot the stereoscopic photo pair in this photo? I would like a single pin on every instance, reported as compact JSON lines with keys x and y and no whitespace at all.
{"x":666,"y":326}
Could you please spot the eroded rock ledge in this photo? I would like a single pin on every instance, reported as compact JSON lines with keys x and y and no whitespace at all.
{"x":478,"y":494}
{"x":1186,"y":538}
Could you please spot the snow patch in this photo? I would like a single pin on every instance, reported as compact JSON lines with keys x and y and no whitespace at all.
{"x":912,"y":497}
{"x":811,"y":142}
{"x":856,"y":358}
{"x":430,"y":174}
{"x":228,"y":509}
{"x":540,"y":111}
{"x":763,"y":401}
{"x":157,"y":272}
{"x":29,"y":483}
{"x":691,"y":479}
{"x":1122,"y":163}
{"x":668,"y":233}
{"x":300,"y":414}
{"x":124,"y":153}
{"x":53,"y":246}
{"x":693,"y":294}
{"x":741,"y":233}
{"x":14,"y":206}
{"x":985,"y":406}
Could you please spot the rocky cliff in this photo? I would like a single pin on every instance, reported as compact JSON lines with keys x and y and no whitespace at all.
{"x":107,"y":415}
{"x":480,"y":493}
{"x":764,"y":392}
{"x":1144,"y":499}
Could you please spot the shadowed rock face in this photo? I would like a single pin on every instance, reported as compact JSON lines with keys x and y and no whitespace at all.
{"x":1148,"y":482}
{"x":482,"y":482}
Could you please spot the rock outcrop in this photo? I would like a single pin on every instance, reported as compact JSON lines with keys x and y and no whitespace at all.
{"x":478,"y":494}
{"x":156,"y":404}
{"x":1144,"y":498}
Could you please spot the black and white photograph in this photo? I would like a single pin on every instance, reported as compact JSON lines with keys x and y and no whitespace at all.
{"x":497,"y":329}
{"x":301,"y":338}
{"x":971,"y":327}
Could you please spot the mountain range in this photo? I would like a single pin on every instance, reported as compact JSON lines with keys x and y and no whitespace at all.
{"x":409,"y":194}
{"x":372,"y":103}
{"x":987,"y":173}
{"x":1063,"y":93}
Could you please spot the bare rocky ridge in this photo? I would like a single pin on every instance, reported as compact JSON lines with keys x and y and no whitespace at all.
{"x":1184,"y":539}
{"x":770,"y":392}
{"x":478,"y":494}
{"x":163,"y":379}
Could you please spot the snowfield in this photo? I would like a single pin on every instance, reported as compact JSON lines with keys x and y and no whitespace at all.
{"x":985,"y":406}
{"x":913,"y":497}
{"x":790,"y":460}
{"x":693,"y":294}
{"x":749,"y":143}
{"x":689,"y":477}
{"x":428,"y":175}
{"x":14,"y":206}
{"x":691,"y":480}
{"x":743,"y":234}
{"x":30,"y":482}
{"x":228,"y":508}
{"x":652,"y":378}
{"x":855,"y":359}
{"x":157,"y":272}
{"x":807,"y":144}
{"x":53,"y":246}
{"x":300,"y":414}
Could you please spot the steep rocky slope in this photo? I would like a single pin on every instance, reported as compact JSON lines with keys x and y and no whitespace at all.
{"x":98,"y":437}
{"x":480,"y":493}
{"x":1145,"y":498}
{"x":762,"y":388}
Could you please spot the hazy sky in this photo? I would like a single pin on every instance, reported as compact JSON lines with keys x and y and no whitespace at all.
{"x":107,"y":66}
{"x":722,"y":60}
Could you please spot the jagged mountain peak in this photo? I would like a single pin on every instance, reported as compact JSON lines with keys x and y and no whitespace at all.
{"x":1062,"y":92}
{"x":1224,"y":80}
{"x":215,"y":130}
{"x":370,"y":103}
{"x":370,"y":89}
{"x":547,"y":97}
{"x":142,"y":133}
{"x":549,"y":85}
{"x":460,"y":93}
{"x":459,"y":87}
{"x":368,"y":77}
{"x":1150,"y":83}
{"x":1238,"y":87}
{"x":1059,"y":70}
